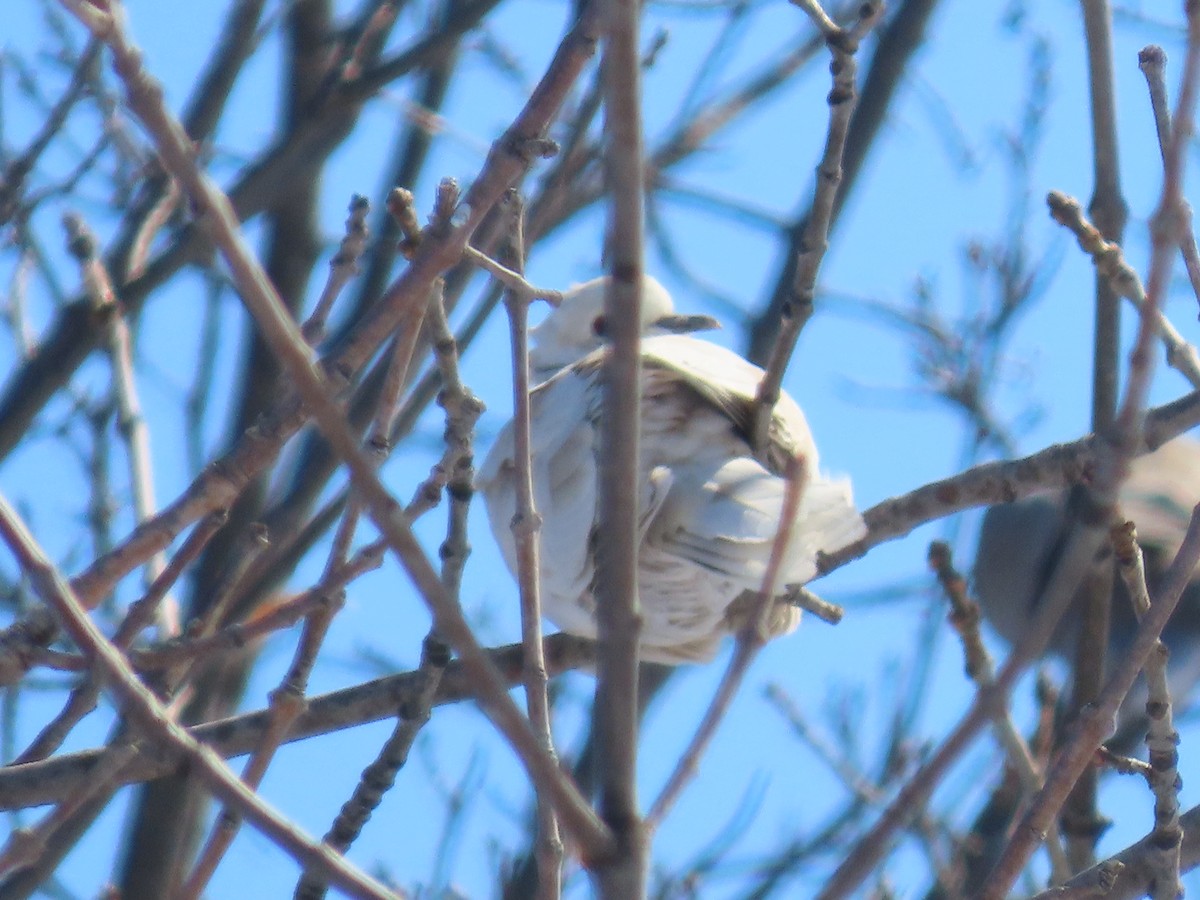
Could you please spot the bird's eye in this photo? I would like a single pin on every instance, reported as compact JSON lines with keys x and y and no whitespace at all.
{"x":599,"y":326}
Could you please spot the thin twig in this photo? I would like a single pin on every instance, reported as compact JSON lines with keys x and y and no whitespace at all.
{"x":282,"y":336}
{"x":1106,"y":208}
{"x":512,"y":279}
{"x":55,"y":779}
{"x":250,"y":544}
{"x":1110,"y":263}
{"x":1096,"y":722}
{"x":342,"y":268}
{"x":966,"y":618}
{"x":83,"y":696}
{"x":843,"y":45}
{"x":526,"y":528}
{"x":157,"y":216}
{"x":986,"y":484}
{"x":1152,"y":60}
{"x":750,"y":641}
{"x":13,"y":178}
{"x":287,"y":702}
{"x":1161,"y":740}
{"x":267,"y":619}
{"x":130,"y":421}
{"x":847,"y":771}
{"x":150,"y":717}
{"x":863,"y":790}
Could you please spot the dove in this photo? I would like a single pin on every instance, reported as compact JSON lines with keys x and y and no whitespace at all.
{"x":1018,"y":544}
{"x":709,"y":510}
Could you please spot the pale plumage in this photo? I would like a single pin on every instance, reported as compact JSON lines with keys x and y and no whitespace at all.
{"x":709,"y":511}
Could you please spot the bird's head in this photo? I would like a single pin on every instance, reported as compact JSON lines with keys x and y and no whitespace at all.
{"x":578,"y":326}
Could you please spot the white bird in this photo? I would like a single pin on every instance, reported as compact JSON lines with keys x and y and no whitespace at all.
{"x":709,"y":510}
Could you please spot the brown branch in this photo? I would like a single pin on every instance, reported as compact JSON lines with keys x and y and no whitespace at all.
{"x":1077,"y":555}
{"x":342,"y":268}
{"x":267,"y":619}
{"x":622,"y":873}
{"x":526,"y":528}
{"x":1129,"y":875}
{"x":1056,"y":466}
{"x":84,"y":696}
{"x":223,"y":481}
{"x":152,"y":720}
{"x":1152,"y":60}
{"x":1161,"y":740}
{"x":965,"y":616}
{"x":843,"y":45}
{"x":750,"y":640}
{"x":900,"y":38}
{"x":1108,"y":210}
{"x":380,"y":776}
{"x":52,"y":780}
{"x":280,"y":333}
{"x":1110,"y":263}
{"x":1096,"y":722}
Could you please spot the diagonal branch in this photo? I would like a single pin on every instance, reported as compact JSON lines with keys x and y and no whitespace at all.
{"x":843,"y":45}
{"x":55,"y":779}
{"x":149,"y":715}
{"x":282,"y":335}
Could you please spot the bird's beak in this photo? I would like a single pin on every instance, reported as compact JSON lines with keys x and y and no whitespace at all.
{"x":677,"y":324}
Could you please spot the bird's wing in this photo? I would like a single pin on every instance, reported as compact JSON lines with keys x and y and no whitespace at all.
{"x":565,"y":415}
{"x":724,"y":515}
{"x":564,"y":485}
{"x":558,"y":407}
{"x":730,"y":383}
{"x":719,"y":515}
{"x":1015,"y":543}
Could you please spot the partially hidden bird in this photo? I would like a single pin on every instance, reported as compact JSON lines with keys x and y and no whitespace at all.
{"x":709,"y":509}
{"x":1020,"y":542}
